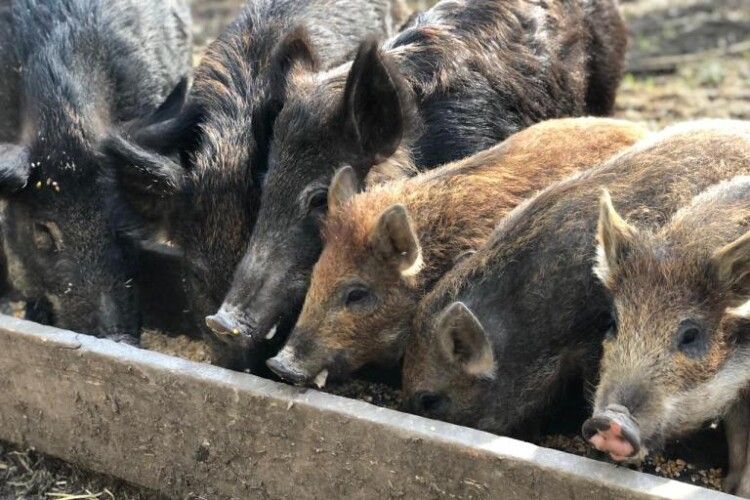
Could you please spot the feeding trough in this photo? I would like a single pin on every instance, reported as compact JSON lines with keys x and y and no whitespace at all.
{"x":184,"y":428}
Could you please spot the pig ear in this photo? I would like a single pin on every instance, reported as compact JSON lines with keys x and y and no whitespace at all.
{"x":375,"y":104}
{"x":15,"y":168}
{"x":173,"y":104}
{"x":464,"y":342}
{"x":615,"y":238}
{"x":294,"y":52}
{"x":395,"y":241}
{"x":145,"y":174}
{"x":148,"y":179}
{"x":732,"y":264}
{"x":175,"y":126}
{"x":344,"y":186}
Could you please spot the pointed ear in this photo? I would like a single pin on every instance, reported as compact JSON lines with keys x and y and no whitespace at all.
{"x":615,"y":238}
{"x":732,"y":264}
{"x":173,"y":104}
{"x":464,"y":342}
{"x":174,"y":127}
{"x":375,"y":104}
{"x":149,"y":180}
{"x":393,"y":238}
{"x":294,"y":52}
{"x":15,"y":168}
{"x":344,"y":186}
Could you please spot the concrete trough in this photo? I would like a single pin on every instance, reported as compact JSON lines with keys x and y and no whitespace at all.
{"x":185,"y":428}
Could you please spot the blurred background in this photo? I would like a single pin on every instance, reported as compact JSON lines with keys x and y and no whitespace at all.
{"x":687,"y":58}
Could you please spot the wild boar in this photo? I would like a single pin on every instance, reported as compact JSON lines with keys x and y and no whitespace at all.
{"x":461,"y":78}
{"x":86,"y":66}
{"x":385,"y":248}
{"x":510,"y":328}
{"x":676,"y":355}
{"x":204,"y":204}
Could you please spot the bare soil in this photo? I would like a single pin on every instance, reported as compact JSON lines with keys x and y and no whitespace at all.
{"x":688,"y":59}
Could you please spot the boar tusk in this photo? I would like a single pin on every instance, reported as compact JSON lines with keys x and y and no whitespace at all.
{"x":271,"y":333}
{"x":320,"y":379}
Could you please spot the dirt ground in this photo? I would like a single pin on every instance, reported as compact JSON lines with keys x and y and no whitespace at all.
{"x":30,"y":475}
{"x":688,"y":59}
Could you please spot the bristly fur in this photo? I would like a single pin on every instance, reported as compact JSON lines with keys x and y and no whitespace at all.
{"x":453,"y":210}
{"x":223,"y":132}
{"x":86,"y":68}
{"x":685,"y":270}
{"x":532,"y":285}
{"x":460,"y":78}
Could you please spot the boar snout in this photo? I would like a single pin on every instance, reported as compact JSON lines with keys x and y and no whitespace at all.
{"x":117,"y":321}
{"x":265,"y":296}
{"x":230,"y":325}
{"x":430,"y":404}
{"x":286,"y":367}
{"x":615,"y":432}
{"x":224,"y":323}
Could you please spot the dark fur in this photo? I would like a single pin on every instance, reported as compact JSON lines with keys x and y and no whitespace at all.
{"x":205,"y":204}
{"x":532,"y":288}
{"x":10,"y":77}
{"x":462,"y":77}
{"x":87,"y":66}
{"x":453,"y":210}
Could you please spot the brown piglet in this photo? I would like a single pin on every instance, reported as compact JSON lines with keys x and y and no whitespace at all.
{"x":678,"y":352}
{"x":385,"y":248}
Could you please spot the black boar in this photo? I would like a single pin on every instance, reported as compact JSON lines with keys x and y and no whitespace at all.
{"x":86,"y":66}
{"x":677,"y":354}
{"x":385,"y":248}
{"x":510,"y":328}
{"x":205,"y":204}
{"x":461,"y":78}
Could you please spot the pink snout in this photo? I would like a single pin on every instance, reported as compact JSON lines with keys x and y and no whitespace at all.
{"x":613,"y":431}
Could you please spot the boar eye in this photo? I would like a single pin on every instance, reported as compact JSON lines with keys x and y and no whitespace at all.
{"x":318,"y":201}
{"x":691,"y":339}
{"x":46,"y":236}
{"x":357,"y":296}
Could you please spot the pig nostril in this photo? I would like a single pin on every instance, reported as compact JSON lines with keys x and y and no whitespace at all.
{"x":428,"y":402}
{"x":614,"y":431}
{"x":284,"y":372}
{"x":594,"y":425}
{"x":221,"y":325}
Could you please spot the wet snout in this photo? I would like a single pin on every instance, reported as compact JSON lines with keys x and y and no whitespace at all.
{"x":223,"y":323}
{"x":301,"y":362}
{"x":231,"y":325}
{"x":613,"y":431}
{"x":288,"y":367}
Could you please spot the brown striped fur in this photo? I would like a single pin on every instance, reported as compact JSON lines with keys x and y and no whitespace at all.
{"x":543,"y":313}
{"x":453,"y":210}
{"x":690,"y":274}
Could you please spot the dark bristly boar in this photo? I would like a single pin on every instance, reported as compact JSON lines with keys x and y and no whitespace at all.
{"x":678,"y":353}
{"x":86,"y":66}
{"x":385,"y":248}
{"x":463,"y":77}
{"x":522,"y":321}
{"x":205,"y":204}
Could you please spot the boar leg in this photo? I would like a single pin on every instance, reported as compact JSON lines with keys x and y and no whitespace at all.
{"x":736,"y":426}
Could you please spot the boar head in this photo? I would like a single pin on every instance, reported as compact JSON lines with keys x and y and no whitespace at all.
{"x":667,"y":365}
